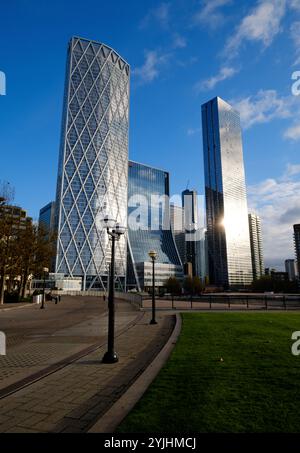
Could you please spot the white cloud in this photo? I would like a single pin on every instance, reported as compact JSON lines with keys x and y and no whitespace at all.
{"x":295,"y":35}
{"x":192,"y":131}
{"x":277,"y":201}
{"x":150,"y":70}
{"x":262,"y":25}
{"x":291,"y":170}
{"x":225,"y":73}
{"x":161,"y":15}
{"x":210,"y":14}
{"x":263,"y":107}
{"x":293,"y":133}
{"x":179,"y":42}
{"x":294,"y":4}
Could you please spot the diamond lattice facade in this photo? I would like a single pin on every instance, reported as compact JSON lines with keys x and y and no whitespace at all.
{"x":93,"y":162}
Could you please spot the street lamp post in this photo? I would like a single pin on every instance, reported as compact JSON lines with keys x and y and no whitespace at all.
{"x":153,"y":256}
{"x":45,"y":271}
{"x":114,"y":231}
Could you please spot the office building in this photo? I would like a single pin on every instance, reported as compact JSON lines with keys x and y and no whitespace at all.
{"x":228,"y":238}
{"x":15,"y":217}
{"x":297,"y":246}
{"x":190,"y":242}
{"x":47,"y":216}
{"x":256,"y":246}
{"x":149,"y":228}
{"x":291,"y":269}
{"x":93,"y":163}
{"x":177,"y":222}
{"x":190,"y":207}
{"x":280,"y":276}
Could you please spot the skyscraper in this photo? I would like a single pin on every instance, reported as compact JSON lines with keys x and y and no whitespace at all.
{"x":229,"y":252}
{"x":93,"y":162}
{"x":291,"y":269}
{"x":177,"y":225}
{"x":149,"y":228}
{"x":190,"y":206}
{"x":256,"y":246}
{"x":47,"y":216}
{"x":297,"y":245}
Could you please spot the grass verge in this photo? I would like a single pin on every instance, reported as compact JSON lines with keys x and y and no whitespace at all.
{"x":229,"y":372}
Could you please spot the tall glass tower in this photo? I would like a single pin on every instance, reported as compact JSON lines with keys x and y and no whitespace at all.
{"x":228,"y":239}
{"x":93,"y":162}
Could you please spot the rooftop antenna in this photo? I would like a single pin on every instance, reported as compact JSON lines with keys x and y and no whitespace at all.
{"x":188,"y":184}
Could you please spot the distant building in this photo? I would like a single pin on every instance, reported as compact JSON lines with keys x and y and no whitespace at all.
{"x":256,"y":246}
{"x":18,"y":216}
{"x":151,"y":232}
{"x":190,"y":207}
{"x":177,"y":222}
{"x":191,"y":243}
{"x":47,"y":216}
{"x":269,"y":271}
{"x":201,"y":256}
{"x":280,"y":276}
{"x":228,"y":238}
{"x":291,"y":269}
{"x":297,"y":245}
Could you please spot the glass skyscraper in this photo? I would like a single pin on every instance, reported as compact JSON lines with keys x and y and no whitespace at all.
{"x":256,"y":246}
{"x":47,"y":216}
{"x":149,"y":228}
{"x":228,"y":239}
{"x":93,"y":162}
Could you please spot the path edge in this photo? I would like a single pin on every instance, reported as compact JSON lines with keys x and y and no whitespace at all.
{"x":109,"y":422}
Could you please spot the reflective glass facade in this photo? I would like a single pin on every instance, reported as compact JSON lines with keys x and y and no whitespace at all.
{"x":47,"y":216}
{"x":225,"y":190}
{"x":143,"y":183}
{"x":93,"y":162}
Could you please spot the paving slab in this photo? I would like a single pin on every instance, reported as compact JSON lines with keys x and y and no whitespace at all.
{"x":74,"y":398}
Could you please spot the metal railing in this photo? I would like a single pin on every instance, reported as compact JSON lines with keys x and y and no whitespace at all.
{"x":224,"y":301}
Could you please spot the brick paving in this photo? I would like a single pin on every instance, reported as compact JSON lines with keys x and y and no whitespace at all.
{"x":74,"y":398}
{"x":37,"y":339}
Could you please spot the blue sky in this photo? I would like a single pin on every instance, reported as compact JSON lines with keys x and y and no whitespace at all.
{"x":182,"y":53}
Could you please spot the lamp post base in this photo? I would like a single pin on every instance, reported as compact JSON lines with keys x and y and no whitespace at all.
{"x":152,"y":322}
{"x":110,"y":357}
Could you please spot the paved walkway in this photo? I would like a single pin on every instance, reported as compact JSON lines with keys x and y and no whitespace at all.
{"x":74,"y":397}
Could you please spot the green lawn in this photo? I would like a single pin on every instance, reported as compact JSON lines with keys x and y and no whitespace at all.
{"x":229,"y":372}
